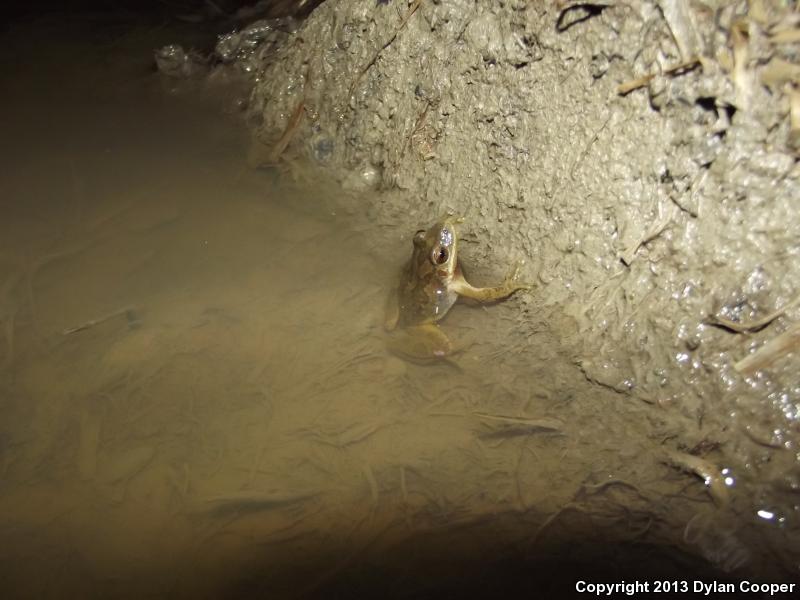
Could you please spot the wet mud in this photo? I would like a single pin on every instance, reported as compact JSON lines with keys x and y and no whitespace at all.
{"x":641,"y":157}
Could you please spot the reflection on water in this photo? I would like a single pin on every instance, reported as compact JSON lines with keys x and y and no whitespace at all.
{"x":196,"y":396}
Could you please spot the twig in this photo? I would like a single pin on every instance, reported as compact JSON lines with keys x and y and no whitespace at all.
{"x":677,"y":14}
{"x":742,"y":76}
{"x":794,"y":117}
{"x":8,"y":312}
{"x":576,"y":12}
{"x":596,"y":488}
{"x":656,"y":228}
{"x":523,"y":507}
{"x":373,"y":483}
{"x":403,"y":485}
{"x":550,"y":520}
{"x":786,"y":36}
{"x":633,"y":84}
{"x":34,"y":267}
{"x":411,"y":10}
{"x":128,"y":311}
{"x":508,"y":426}
{"x":588,"y":147}
{"x":353,"y":434}
{"x":779,"y":72}
{"x":274,"y":154}
{"x":251,"y":501}
{"x":547,"y":424}
{"x":288,"y":133}
{"x":753,"y":325}
{"x":771,"y":351}
{"x":418,"y":125}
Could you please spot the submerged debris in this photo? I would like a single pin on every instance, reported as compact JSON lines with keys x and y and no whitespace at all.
{"x":266,"y":155}
{"x":261,"y":37}
{"x":717,"y":542}
{"x":8,"y":311}
{"x":504,"y":426}
{"x":129,"y":312}
{"x":246,"y":48}
{"x":172,"y":60}
{"x":251,"y":501}
{"x":705,"y":470}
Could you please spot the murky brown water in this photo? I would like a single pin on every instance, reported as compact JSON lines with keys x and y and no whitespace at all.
{"x":196,"y":396}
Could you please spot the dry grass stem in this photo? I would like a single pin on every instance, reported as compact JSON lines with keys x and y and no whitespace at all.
{"x":656,"y":228}
{"x":774,"y":349}
{"x":756,"y":324}
{"x":639,"y":82}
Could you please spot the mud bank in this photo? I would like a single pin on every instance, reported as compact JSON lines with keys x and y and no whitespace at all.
{"x":639,"y":156}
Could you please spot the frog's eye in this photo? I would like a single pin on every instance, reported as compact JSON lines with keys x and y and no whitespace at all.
{"x":439,"y":255}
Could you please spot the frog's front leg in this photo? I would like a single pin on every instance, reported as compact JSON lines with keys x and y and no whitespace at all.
{"x":487,"y":294}
{"x":420,"y":342}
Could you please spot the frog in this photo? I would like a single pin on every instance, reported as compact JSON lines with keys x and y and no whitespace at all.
{"x":430,"y":284}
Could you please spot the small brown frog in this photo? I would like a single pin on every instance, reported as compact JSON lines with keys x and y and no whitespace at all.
{"x":430,"y":284}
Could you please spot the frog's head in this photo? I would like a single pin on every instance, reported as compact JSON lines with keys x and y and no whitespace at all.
{"x":438,"y":247}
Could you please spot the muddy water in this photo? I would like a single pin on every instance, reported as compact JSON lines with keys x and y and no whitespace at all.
{"x":197,"y":400}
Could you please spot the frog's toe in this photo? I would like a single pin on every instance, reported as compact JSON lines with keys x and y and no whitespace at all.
{"x":512,"y":279}
{"x":513,"y":274}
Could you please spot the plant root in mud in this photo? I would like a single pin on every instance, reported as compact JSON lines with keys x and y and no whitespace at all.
{"x":705,"y":470}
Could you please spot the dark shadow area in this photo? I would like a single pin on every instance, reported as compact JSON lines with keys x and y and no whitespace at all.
{"x":181,"y":10}
{"x":464,"y":561}
{"x":411,"y":572}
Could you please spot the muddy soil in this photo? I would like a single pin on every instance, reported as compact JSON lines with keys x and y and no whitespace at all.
{"x":641,"y":157}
